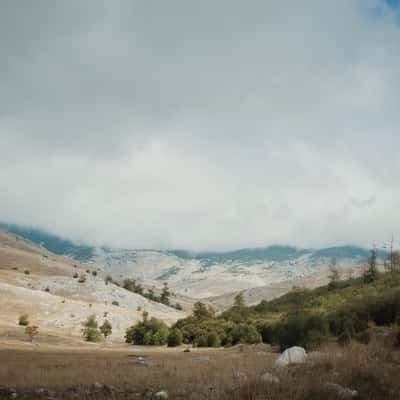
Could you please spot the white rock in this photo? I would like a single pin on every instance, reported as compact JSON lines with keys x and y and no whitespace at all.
{"x":342,"y":392}
{"x":162,"y":394}
{"x":293,"y":355}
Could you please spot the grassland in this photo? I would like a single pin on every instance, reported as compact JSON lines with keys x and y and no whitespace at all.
{"x":236,"y":373}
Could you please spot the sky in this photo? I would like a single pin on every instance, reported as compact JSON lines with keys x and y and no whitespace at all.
{"x":209,"y":125}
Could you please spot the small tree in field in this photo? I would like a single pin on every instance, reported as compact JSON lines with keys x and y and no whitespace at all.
{"x":32,"y":331}
{"x":106,"y":329}
{"x":334,"y":275}
{"x":90,"y":329}
{"x":371,"y":273}
{"x":23,"y":320}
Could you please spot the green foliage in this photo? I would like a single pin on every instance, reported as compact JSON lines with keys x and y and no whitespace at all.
{"x":302,"y":317}
{"x":201,"y":311}
{"x":152,"y":332}
{"x":106,"y":328}
{"x":213,"y":340}
{"x":90,"y":330}
{"x":165,"y":295}
{"x":23,"y":320}
{"x":132,"y":286}
{"x":175,"y":338}
{"x":245,"y":333}
{"x":371,"y":273}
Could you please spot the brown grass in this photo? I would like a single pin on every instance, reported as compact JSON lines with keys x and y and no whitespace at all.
{"x":373,"y":370}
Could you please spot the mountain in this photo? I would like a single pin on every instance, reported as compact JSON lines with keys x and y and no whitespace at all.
{"x":205,"y":274}
{"x":58,"y":293}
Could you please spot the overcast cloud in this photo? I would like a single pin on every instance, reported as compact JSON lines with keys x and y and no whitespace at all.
{"x":201,"y":124}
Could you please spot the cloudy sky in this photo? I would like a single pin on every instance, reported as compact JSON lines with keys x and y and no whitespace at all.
{"x":201,"y":124}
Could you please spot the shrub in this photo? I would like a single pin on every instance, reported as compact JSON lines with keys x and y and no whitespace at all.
{"x":90,"y":329}
{"x":106,"y":329}
{"x":245,"y":333}
{"x":152,"y":332}
{"x":175,"y":338}
{"x":82,"y":279}
{"x":47,"y":289}
{"x":75,"y":275}
{"x":201,"y":340}
{"x":213,"y":340}
{"x":23,"y":320}
{"x":94,"y":273}
{"x":115,"y":303}
{"x":27,"y":272}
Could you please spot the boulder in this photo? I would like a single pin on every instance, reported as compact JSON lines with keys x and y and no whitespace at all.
{"x":162,"y":394}
{"x":293,"y":355}
{"x":341,"y":392}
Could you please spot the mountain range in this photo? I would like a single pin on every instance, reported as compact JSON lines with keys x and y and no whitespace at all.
{"x":208,"y":275}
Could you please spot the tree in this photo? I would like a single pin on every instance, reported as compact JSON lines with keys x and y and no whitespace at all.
{"x":23,"y":320}
{"x":32,"y":331}
{"x":175,"y":338}
{"x":106,"y":329}
{"x":371,"y":273}
{"x":165,"y":294}
{"x":201,"y":311}
{"x":90,"y":329}
{"x":153,"y":332}
{"x":334,"y":276}
{"x":239,"y":301}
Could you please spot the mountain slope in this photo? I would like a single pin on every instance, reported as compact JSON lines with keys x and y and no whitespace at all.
{"x":206,"y":274}
{"x":41,"y":284}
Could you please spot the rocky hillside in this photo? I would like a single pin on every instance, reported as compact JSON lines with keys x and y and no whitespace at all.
{"x":58,"y":293}
{"x":274,"y":269}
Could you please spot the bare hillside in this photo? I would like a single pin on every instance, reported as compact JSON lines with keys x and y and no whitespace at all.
{"x":41,"y":284}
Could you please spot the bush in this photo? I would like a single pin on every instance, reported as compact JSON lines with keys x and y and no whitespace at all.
{"x":82,"y":279}
{"x":75,"y":275}
{"x":151,"y":332}
{"x":23,"y":320}
{"x":245,"y":333}
{"x":90,"y":329}
{"x":94,"y":273}
{"x":115,"y":303}
{"x":27,"y":272}
{"x":175,"y":338}
{"x":106,"y":329}
{"x":213,"y":340}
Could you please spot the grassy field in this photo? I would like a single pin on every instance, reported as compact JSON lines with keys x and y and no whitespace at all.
{"x":233,"y":373}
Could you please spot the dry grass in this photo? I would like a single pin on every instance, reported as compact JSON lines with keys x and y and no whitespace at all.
{"x":373,"y":370}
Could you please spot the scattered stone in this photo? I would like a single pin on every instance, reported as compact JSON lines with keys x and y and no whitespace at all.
{"x":269,"y":378}
{"x":342,"y":392}
{"x":162,"y":394}
{"x":97,"y":386}
{"x":293,"y":355}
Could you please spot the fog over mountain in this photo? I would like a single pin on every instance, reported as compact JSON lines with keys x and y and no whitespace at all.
{"x":202,"y":126}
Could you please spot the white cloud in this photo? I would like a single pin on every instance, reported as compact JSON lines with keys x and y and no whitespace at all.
{"x":202,"y":126}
